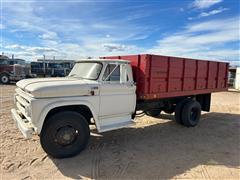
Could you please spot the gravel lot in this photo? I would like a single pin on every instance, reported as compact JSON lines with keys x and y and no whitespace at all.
{"x":155,"y":148}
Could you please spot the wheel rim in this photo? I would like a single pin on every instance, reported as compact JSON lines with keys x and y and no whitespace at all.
{"x":194,"y":114}
{"x":4,"y":79}
{"x":66,"y":136}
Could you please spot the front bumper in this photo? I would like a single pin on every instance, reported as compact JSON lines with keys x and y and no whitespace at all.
{"x":22,"y":124}
{"x":16,"y":78}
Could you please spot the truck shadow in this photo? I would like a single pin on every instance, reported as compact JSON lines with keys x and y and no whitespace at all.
{"x":163,"y":150}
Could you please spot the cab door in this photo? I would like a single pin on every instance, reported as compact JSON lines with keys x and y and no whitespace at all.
{"x":117,"y":96}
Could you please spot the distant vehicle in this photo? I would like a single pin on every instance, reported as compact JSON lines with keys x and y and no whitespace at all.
{"x":11,"y":69}
{"x":108,"y":93}
{"x":52,"y":69}
{"x":56,"y":69}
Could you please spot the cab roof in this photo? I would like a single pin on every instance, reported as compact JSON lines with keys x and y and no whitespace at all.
{"x":104,"y":60}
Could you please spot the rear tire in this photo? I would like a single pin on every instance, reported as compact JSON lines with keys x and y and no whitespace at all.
{"x":4,"y":79}
{"x":191,"y":114}
{"x":179,"y":108}
{"x":65,"y":134}
{"x":153,"y":112}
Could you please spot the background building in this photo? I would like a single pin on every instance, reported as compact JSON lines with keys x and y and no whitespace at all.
{"x":234,"y":77}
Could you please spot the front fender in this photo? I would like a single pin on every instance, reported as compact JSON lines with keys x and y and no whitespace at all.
{"x":61,"y":103}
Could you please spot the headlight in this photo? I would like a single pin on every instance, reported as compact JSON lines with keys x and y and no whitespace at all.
{"x":28,"y":110}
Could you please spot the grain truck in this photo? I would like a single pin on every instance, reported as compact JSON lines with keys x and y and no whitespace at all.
{"x":107,"y":92}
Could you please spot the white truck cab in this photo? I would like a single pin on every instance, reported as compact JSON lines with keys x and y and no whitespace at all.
{"x":59,"y":110}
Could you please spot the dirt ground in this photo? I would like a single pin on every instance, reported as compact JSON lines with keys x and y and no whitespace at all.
{"x":156,"y":148}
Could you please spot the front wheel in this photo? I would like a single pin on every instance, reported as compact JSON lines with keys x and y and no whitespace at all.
{"x":4,"y":78}
{"x":65,"y":134}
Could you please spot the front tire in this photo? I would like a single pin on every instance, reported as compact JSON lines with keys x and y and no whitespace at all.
{"x":4,"y":78}
{"x":65,"y":134}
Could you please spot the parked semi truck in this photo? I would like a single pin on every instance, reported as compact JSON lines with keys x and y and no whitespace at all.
{"x":108,"y":92}
{"x":11,"y":69}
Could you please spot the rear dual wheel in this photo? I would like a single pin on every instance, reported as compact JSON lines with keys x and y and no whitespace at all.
{"x":188,"y":112}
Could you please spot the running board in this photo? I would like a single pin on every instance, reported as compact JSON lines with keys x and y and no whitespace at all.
{"x":116,"y":126}
{"x":115,"y":123}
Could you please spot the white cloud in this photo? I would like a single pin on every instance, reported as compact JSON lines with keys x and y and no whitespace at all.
{"x":15,"y":46}
{"x":29,"y":49}
{"x":182,"y":9}
{"x":49,"y":36}
{"x":108,"y":36}
{"x":209,"y":13}
{"x":41,"y":49}
{"x":215,"y":25}
{"x":117,"y":47}
{"x":77,"y":29}
{"x":202,"y":4}
{"x":73,"y":38}
{"x":213,"y":12}
{"x":205,"y":40}
{"x":2,"y":26}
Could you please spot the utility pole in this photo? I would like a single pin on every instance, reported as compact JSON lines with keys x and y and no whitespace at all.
{"x":44,"y":67}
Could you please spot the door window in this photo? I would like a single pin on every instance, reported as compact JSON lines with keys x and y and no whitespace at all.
{"x":112,"y":73}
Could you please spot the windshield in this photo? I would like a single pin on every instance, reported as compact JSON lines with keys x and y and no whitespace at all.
{"x":86,"y":70}
{"x":3,"y":62}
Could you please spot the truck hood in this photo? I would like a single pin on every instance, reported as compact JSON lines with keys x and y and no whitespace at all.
{"x":57,"y":87}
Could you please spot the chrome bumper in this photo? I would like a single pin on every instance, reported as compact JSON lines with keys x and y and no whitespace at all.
{"x":16,"y":78}
{"x":22,"y":124}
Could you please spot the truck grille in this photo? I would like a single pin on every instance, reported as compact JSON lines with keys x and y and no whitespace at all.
{"x":18,"y":70}
{"x":21,"y":104}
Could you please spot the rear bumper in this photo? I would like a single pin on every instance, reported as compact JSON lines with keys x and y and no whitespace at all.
{"x":22,"y":124}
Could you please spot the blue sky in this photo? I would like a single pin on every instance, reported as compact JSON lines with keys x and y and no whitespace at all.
{"x":205,"y":29}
